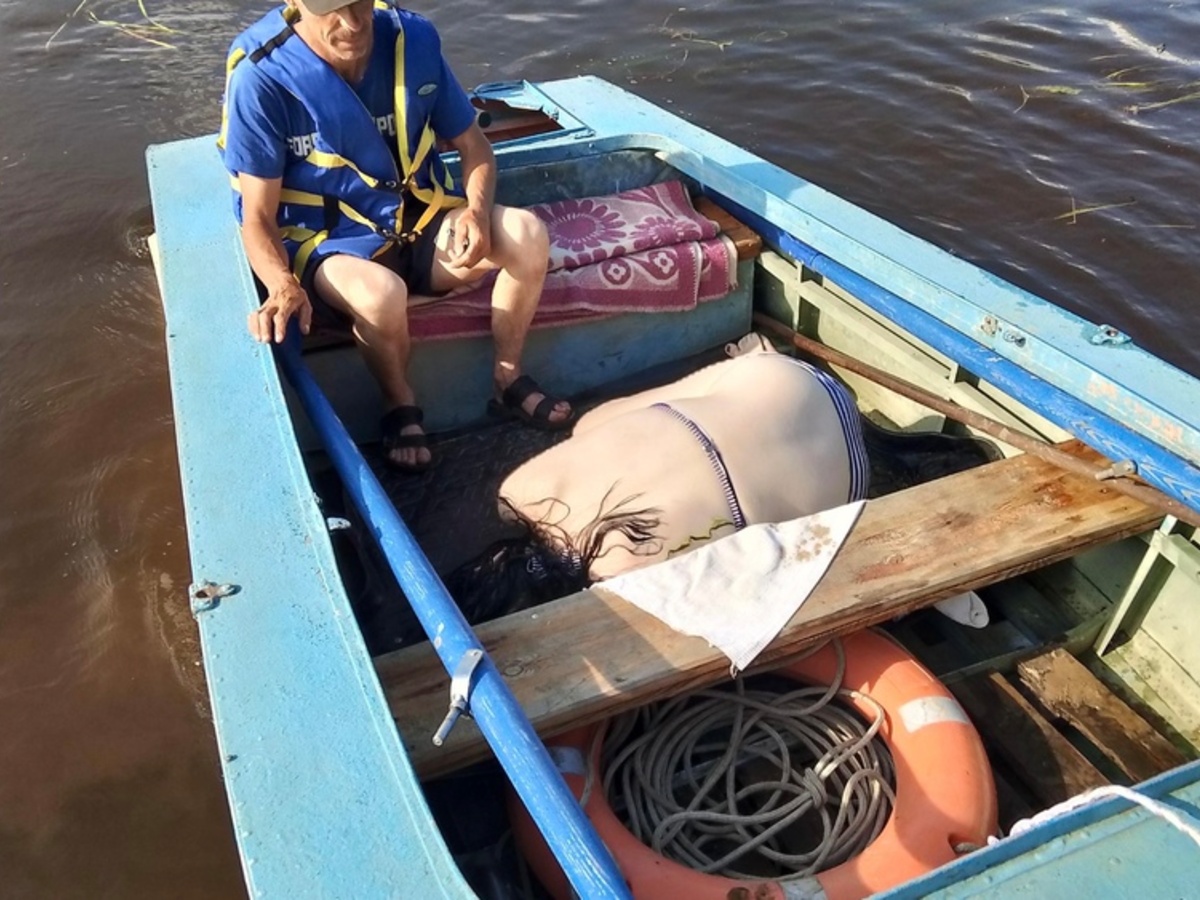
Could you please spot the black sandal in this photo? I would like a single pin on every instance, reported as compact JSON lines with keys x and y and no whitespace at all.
{"x":509,"y":406}
{"x":391,"y":426}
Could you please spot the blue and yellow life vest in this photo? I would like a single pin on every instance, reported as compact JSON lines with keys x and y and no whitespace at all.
{"x":348,"y":194}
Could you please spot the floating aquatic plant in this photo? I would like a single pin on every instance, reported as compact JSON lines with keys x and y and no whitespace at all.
{"x":1047,"y":89}
{"x":1076,"y":211}
{"x":148,"y":30}
{"x":1146,"y":107}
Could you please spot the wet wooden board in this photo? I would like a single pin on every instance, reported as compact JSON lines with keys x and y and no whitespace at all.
{"x":1065,"y":687}
{"x":1018,"y":733}
{"x":589,"y":656}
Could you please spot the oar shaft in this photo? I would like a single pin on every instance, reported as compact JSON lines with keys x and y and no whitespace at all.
{"x":989,"y":426}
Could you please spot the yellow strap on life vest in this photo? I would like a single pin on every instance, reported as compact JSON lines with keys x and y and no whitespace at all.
{"x":435,"y":199}
{"x":309,"y":241}
{"x":304,"y":198}
{"x":230,"y":64}
{"x":336,"y":160}
{"x":290,"y":16}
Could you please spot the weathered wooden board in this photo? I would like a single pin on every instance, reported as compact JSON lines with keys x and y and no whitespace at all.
{"x":1048,"y":764}
{"x":588,"y":656}
{"x":745,"y":239}
{"x":1066,"y":688}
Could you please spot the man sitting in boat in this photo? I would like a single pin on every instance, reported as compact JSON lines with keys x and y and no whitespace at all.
{"x":347,"y":210}
{"x":758,"y":438}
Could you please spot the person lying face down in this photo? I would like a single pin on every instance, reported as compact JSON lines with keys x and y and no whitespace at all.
{"x":758,"y":438}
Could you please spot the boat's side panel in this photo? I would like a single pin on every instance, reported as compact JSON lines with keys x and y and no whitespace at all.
{"x":454,"y":377}
{"x":842,"y":322}
{"x":1110,"y":849}
{"x":323,"y":798}
{"x":1118,"y":379}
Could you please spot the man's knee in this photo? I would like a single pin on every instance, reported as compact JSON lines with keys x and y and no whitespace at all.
{"x":527,"y":238}
{"x":369,"y":292}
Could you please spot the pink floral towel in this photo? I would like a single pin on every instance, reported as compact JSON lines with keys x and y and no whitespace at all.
{"x":590,"y":230}
{"x":645,"y":250}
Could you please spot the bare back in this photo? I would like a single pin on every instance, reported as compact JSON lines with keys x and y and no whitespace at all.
{"x":771,"y":420}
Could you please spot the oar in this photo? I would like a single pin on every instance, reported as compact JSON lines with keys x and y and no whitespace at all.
{"x":1103,"y":471}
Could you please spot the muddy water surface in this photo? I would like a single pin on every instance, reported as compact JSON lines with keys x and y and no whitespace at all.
{"x":1055,"y":146}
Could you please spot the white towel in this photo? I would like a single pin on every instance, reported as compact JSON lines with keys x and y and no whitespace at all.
{"x":738,"y":592}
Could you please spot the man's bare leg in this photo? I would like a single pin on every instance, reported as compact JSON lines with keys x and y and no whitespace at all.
{"x":520,"y":249}
{"x":376,"y":299}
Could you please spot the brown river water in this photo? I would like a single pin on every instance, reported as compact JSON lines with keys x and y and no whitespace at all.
{"x":980,"y":126}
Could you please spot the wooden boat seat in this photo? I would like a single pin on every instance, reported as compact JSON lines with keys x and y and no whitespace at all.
{"x":585,"y":657}
{"x":748,"y":243}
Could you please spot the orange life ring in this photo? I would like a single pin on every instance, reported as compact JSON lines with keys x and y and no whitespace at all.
{"x":945,"y":795}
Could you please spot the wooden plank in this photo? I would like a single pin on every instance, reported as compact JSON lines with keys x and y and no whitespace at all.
{"x":591,"y":655}
{"x":747,"y":241}
{"x":1014,"y":730}
{"x":1065,"y":687}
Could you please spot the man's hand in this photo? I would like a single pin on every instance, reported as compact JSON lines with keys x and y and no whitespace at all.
{"x":270,"y":321}
{"x":269,"y":260}
{"x":470,"y":239}
{"x":471,"y":234}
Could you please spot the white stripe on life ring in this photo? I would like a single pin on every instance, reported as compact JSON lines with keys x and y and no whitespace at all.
{"x":916,"y":714}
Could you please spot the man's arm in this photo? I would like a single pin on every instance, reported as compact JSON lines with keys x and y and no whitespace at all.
{"x":269,"y":260}
{"x":473,"y":229}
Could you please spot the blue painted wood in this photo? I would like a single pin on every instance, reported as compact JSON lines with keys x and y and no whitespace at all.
{"x":1164,"y":470}
{"x":585,"y":860}
{"x":324,"y":801}
{"x":1122,"y":382}
{"x":1110,"y":849}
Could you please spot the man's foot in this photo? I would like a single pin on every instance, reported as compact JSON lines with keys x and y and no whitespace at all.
{"x":523,"y":399}
{"x":404,"y":444}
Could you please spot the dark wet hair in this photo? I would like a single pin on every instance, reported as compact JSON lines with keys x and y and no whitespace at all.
{"x":542,"y":562}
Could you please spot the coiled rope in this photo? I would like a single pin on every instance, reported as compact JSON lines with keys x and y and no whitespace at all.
{"x":691,"y":785}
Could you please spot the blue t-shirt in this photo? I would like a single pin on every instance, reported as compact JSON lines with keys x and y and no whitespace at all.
{"x":269,"y":129}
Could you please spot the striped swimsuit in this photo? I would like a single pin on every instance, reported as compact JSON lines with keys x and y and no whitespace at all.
{"x":847,"y":413}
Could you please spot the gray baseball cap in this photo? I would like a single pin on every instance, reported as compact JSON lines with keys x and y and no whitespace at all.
{"x":321,"y":7}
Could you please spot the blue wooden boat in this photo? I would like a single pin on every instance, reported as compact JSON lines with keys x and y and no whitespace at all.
{"x":324,"y":788}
